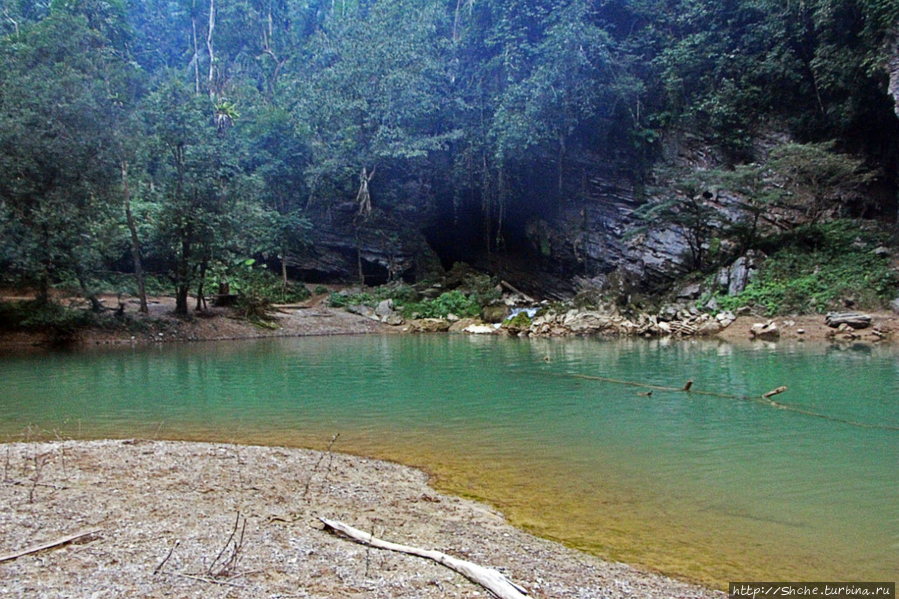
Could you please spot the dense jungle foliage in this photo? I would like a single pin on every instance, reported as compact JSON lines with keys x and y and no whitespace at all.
{"x":186,"y":138}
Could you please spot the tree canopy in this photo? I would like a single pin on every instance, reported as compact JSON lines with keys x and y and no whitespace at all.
{"x":237,"y":116}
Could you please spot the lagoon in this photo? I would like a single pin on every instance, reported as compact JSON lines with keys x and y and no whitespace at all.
{"x":709,"y":487}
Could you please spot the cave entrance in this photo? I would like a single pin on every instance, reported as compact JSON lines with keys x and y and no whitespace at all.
{"x":373,"y":273}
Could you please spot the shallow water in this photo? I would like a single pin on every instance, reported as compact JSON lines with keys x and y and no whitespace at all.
{"x":701,"y":486}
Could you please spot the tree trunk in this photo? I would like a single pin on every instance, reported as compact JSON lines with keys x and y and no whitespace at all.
{"x":86,"y":291}
{"x":182,"y":286}
{"x":283,"y":278}
{"x":201,"y":297}
{"x":181,"y":299}
{"x":196,"y":59}
{"x":209,"y":48}
{"x":135,"y":243}
{"x":561,"y":164}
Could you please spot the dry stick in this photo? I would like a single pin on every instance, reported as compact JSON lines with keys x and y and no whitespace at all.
{"x":318,"y":463}
{"x":232,"y":562}
{"x":330,"y":460}
{"x":371,"y":535}
{"x":210,"y":580}
{"x":488,"y":578}
{"x":225,"y":547}
{"x":38,"y":466}
{"x":162,"y":563}
{"x":51,"y":544}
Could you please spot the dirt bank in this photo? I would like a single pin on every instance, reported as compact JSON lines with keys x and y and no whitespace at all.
{"x":884,"y":328}
{"x":214,"y":324}
{"x":145,"y":498}
{"x":314,"y":317}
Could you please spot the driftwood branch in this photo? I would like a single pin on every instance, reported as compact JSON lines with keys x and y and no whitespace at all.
{"x":490,"y":579}
{"x":50,"y":545}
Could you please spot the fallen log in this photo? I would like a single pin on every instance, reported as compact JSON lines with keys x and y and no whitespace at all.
{"x":513,"y":289}
{"x":490,"y":579}
{"x":854,"y":319}
{"x":50,"y":545}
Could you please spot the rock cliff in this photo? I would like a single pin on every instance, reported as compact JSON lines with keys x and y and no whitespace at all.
{"x":380,"y":247}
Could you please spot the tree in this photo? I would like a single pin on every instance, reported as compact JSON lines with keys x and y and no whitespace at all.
{"x":816,"y":177}
{"x":373,"y":95}
{"x":688,"y":211}
{"x":64,"y":82}
{"x":755,"y":193}
{"x":199,"y":180}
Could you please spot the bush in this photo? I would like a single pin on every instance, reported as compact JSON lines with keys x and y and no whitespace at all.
{"x":451,"y":302}
{"x":258,"y":284}
{"x":818,"y":268}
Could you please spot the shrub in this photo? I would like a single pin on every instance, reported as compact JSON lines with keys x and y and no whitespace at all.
{"x":451,"y":302}
{"x":817,"y":267}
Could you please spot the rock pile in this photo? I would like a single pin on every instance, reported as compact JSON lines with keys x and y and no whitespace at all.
{"x":677,"y":322}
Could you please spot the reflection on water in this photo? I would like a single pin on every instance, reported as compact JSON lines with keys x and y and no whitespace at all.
{"x":703,"y":486}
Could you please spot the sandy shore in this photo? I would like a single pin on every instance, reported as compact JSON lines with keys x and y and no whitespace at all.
{"x":146,"y":497}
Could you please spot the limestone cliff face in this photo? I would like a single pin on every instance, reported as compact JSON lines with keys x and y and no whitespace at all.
{"x":380,"y":247}
{"x":599,"y":241}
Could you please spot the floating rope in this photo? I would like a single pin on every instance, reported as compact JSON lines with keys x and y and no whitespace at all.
{"x":764,"y":400}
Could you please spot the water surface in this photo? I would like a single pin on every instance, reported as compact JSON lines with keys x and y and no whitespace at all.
{"x":702,"y":486}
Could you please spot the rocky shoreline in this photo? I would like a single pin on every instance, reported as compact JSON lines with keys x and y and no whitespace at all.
{"x":678,"y":324}
{"x":514,"y":316}
{"x":222,"y":520}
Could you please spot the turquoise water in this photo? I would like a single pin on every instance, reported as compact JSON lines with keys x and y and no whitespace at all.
{"x":701,"y":486}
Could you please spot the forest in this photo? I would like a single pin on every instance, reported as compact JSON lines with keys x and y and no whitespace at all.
{"x":180,"y":143}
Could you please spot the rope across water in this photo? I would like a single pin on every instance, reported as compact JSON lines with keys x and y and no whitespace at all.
{"x":764,"y":400}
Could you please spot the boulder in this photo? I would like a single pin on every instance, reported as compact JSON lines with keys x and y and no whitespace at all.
{"x":586,"y":322}
{"x":430,"y":325}
{"x":894,"y":305}
{"x":710,"y":327}
{"x":394,"y":320}
{"x":855,"y":320}
{"x":725,"y":319}
{"x":765,"y":331}
{"x":463,"y":323}
{"x":495,"y":313}
{"x":737,"y":276}
{"x":384,"y":309}
{"x":690,"y":291}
